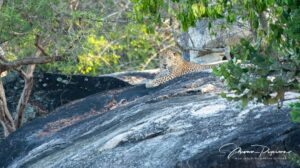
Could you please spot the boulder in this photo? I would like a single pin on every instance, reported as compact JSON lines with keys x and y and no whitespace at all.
{"x":209,"y":45}
{"x":53,"y":90}
{"x":183,"y":123}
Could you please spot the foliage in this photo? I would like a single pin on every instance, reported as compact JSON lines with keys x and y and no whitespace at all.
{"x":93,"y":45}
{"x":295,"y":158}
{"x":132,"y":46}
{"x":295,"y":113}
{"x":20,"y":21}
{"x":275,"y":57}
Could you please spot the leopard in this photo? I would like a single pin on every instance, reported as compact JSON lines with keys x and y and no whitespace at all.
{"x":172,"y":65}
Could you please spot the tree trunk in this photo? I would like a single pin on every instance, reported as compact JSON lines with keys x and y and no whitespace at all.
{"x":28,"y":77}
{"x":5,"y":116}
{"x":9,"y":124}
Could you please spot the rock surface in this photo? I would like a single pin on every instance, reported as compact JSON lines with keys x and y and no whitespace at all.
{"x":53,"y":90}
{"x":205,"y":47}
{"x":183,"y":123}
{"x":134,"y":77}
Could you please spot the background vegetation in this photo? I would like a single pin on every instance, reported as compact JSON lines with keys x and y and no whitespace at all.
{"x":95,"y":37}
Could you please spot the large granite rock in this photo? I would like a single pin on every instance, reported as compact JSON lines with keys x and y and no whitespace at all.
{"x":53,"y":90}
{"x":183,"y":123}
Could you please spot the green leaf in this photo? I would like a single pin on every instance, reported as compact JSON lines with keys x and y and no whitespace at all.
{"x":231,"y":18}
{"x":279,"y":10}
{"x":295,"y":114}
{"x":270,"y":2}
{"x":223,"y":95}
{"x":244,"y":102}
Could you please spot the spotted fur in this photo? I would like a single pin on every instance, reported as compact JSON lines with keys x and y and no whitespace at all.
{"x":172,"y":65}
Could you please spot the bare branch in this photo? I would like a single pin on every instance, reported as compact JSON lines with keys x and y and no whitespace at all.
{"x":23,"y":101}
{"x":18,"y":33}
{"x":28,"y":61}
{"x":6,"y":119}
{"x":6,"y":65}
{"x":37,"y":44}
{"x":21,"y":72}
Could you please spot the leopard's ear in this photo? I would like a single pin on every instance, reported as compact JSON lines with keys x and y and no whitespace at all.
{"x":176,"y":54}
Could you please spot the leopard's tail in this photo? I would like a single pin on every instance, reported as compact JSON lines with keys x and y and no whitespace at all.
{"x":200,"y":67}
{"x":211,"y":65}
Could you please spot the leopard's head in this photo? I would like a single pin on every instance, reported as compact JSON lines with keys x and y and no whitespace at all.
{"x":170,"y":59}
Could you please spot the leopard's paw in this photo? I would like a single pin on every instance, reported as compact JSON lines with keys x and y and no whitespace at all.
{"x":151,"y":84}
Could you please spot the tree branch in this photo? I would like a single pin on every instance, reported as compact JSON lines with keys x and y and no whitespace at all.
{"x":6,"y":65}
{"x":21,"y":72}
{"x":28,"y":61}
{"x":28,"y":78}
{"x":38,"y":46}
{"x":6,"y":119}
